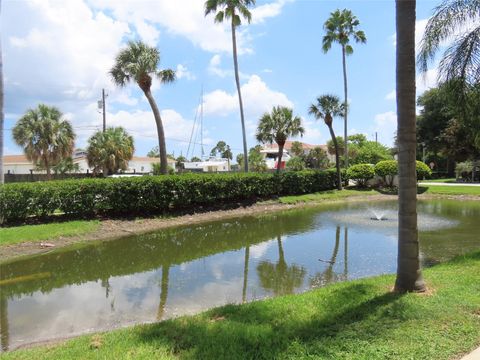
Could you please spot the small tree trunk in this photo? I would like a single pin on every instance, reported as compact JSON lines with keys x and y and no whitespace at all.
{"x":47,"y":168}
{"x":280,"y":155}
{"x":160,"y":132}
{"x":345,"y":91}
{"x":409,"y":275}
{"x":337,"y":158}
{"x":240,"y":102}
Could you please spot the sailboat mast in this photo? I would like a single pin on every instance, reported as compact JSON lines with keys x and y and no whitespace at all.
{"x":201,"y":124}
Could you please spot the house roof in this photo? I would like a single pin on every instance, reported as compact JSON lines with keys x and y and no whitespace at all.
{"x":151,"y":159}
{"x":16,"y":159}
{"x":288,"y":146}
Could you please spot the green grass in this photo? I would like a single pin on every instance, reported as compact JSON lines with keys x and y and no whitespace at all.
{"x":351,"y":320}
{"x":325,"y":195}
{"x":23,"y":233}
{"x":450,"y":190}
{"x":447,"y":180}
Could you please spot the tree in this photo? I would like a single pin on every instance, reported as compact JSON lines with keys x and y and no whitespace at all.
{"x":295,"y":163}
{"x":340,"y":28}
{"x":110,"y":151}
{"x":256,"y":161}
{"x":460,"y":59}
{"x":66,"y":166}
{"x":317,"y":158}
{"x":154,"y":153}
{"x":278,"y":126}
{"x":195,"y":159}
{"x":326,"y":108}
{"x":297,"y":149}
{"x":223,"y":150}
{"x":139,"y":62}
{"x":340,"y":146}
{"x":233,"y":10}
{"x":180,"y":162}
{"x":45,"y":136}
{"x":409,"y":274}
{"x":369,"y":152}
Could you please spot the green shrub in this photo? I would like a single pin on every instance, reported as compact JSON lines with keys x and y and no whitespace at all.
{"x":423,"y":171}
{"x":387,"y":169}
{"x":361,"y":173}
{"x":296,"y":164}
{"x":150,"y":194}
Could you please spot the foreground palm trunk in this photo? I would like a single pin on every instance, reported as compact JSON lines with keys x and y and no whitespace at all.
{"x":161,"y":134}
{"x":409,"y":275}
{"x":345,"y":102}
{"x":240,"y":102}
{"x":281,"y":145}
{"x":337,"y":158}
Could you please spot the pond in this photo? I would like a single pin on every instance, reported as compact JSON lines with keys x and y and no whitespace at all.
{"x":188,"y":269}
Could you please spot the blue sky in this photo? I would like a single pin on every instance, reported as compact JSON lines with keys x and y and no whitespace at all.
{"x":59,"y":53}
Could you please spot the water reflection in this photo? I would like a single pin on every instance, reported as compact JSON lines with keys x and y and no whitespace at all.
{"x":186,"y":270}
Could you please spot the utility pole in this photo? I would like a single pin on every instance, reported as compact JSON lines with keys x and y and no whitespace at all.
{"x":103,"y":107}
{"x":376,"y":140}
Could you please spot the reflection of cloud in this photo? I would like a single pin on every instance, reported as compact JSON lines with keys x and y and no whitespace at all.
{"x":259,"y":250}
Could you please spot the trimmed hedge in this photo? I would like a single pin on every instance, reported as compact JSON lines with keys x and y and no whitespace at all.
{"x":361,"y":173}
{"x":150,"y":194}
{"x":387,"y":169}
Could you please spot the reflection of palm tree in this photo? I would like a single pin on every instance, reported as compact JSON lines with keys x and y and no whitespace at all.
{"x":345,"y":254}
{"x":280,"y":278}
{"x":163,"y":291}
{"x":328,"y":276}
{"x":4,"y":323}
{"x":245,"y":274}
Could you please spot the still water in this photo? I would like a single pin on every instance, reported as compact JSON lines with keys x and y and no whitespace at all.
{"x":188,"y":269}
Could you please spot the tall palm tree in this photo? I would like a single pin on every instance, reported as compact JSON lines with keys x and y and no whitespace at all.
{"x":460,"y":60}
{"x":233,"y":10}
{"x":2,"y":112}
{"x":139,"y":62}
{"x":326,"y":108}
{"x":409,"y":275}
{"x":163,"y":291}
{"x":110,"y":151}
{"x":45,"y":136}
{"x":340,"y":27}
{"x":278,"y":126}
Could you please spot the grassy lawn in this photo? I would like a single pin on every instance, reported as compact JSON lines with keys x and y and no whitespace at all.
{"x":450,"y":190}
{"x":351,"y":320}
{"x":325,"y":195}
{"x":446,"y":180}
{"x":23,"y":233}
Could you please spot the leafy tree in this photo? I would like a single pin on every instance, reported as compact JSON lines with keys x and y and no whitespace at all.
{"x":317,"y":158}
{"x":234,"y":10}
{"x":460,"y":59}
{"x":154,"y":153}
{"x":180,"y":162}
{"x":409,"y":274}
{"x":340,"y":145}
{"x":139,"y":62}
{"x":256,"y":161}
{"x":357,"y":139}
{"x":341,"y":27}
{"x":45,"y":136}
{"x":66,"y":166}
{"x":361,"y":173}
{"x":277,"y":127}
{"x":370,"y":152}
{"x":223,"y":150}
{"x":327,"y":107}
{"x":110,"y":151}
{"x":297,"y":149}
{"x":195,"y":159}
{"x":296,"y":163}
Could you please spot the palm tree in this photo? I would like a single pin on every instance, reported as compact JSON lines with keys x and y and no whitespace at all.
{"x":277,"y":126}
{"x":340,"y":27}
{"x":110,"y":151}
{"x":139,"y":62}
{"x":460,"y":60}
{"x":409,"y":275}
{"x":326,"y":108}
{"x":45,"y":136}
{"x":233,"y":10}
{"x":2,"y":113}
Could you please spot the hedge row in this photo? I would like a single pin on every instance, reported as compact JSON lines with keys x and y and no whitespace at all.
{"x":150,"y":194}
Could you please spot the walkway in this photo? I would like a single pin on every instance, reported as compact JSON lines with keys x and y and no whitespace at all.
{"x":447,"y":184}
{"x":474,"y":355}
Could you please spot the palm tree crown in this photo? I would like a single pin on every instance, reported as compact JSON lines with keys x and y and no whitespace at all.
{"x":138,"y":62}
{"x":326,"y":108}
{"x":340,"y":27}
{"x":461,"y":59}
{"x":279,"y":125}
{"x":230,"y":9}
{"x":46,"y":137}
{"x":110,"y":151}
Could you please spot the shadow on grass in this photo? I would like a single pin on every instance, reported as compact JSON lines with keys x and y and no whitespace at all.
{"x":265,"y":330}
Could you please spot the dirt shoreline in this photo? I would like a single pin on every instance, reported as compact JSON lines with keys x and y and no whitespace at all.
{"x":111,"y":229}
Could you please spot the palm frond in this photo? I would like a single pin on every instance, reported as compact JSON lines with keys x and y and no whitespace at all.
{"x":166,"y":76}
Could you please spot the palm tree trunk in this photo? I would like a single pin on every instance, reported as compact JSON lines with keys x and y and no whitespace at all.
{"x":280,"y":155}
{"x":281,"y":253}
{"x":337,"y":158}
{"x":47,"y":168}
{"x":163,"y":291}
{"x":345,"y":254}
{"x":161,"y":134}
{"x":2,"y":115}
{"x":4,"y":337}
{"x":237,"y":80}
{"x":245,"y":274}
{"x":345,"y":91}
{"x":409,"y":275}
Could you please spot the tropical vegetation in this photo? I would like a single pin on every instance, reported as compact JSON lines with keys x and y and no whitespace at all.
{"x":233,"y":10}
{"x":110,"y":151}
{"x":46,"y":137}
{"x":139,"y":62}
{"x":277,"y":126}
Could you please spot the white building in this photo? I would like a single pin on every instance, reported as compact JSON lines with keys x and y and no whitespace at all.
{"x":210,"y":165}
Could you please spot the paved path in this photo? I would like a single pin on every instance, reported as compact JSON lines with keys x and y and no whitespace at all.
{"x":447,"y":184}
{"x":474,"y":355}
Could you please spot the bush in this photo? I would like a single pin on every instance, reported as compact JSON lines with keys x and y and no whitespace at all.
{"x":361,"y":173}
{"x":150,"y":194}
{"x":296,"y":164}
{"x":387,"y":169}
{"x":423,"y":171}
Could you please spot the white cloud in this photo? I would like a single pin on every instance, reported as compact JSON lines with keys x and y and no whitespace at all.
{"x":427,"y":80}
{"x":392,"y":95}
{"x":257,"y":97}
{"x":215,"y":69}
{"x":386,"y":127}
{"x":262,"y":12}
{"x":182,"y":72}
